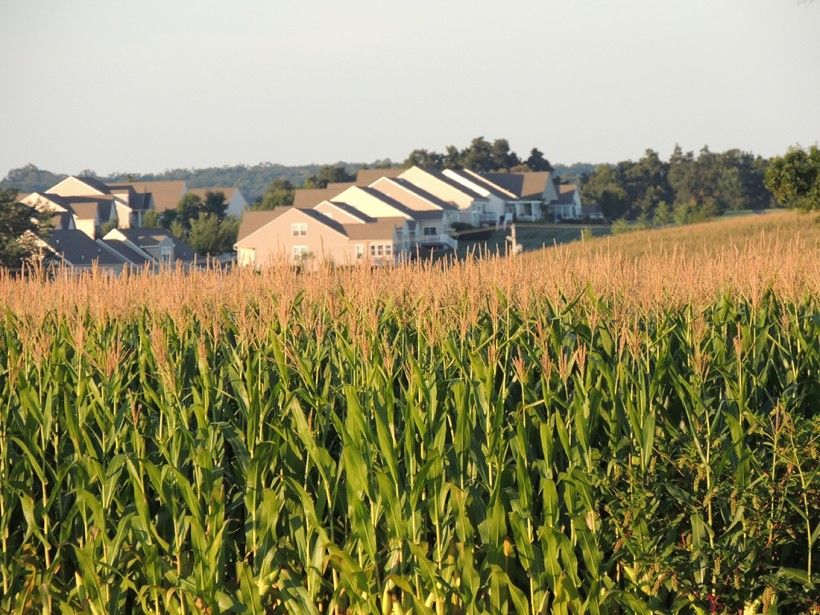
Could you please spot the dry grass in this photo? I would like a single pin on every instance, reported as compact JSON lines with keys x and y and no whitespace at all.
{"x":639,"y":271}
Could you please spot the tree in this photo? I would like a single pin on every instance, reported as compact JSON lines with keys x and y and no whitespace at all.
{"x":794,"y":179}
{"x":478,"y":156}
{"x":605,"y":187}
{"x":279,"y":193}
{"x":502,"y":157}
{"x":329,"y":174}
{"x":537,"y":162}
{"x":663,"y":214}
{"x":425,"y":159}
{"x":20,"y":226}
{"x":211,"y":236}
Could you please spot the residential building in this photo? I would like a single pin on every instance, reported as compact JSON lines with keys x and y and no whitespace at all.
{"x":76,"y":250}
{"x":309,"y":238}
{"x":163,"y":247}
{"x":568,"y":204}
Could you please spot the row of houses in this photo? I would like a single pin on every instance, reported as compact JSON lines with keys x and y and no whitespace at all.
{"x":388,"y":214}
{"x":102,"y":223}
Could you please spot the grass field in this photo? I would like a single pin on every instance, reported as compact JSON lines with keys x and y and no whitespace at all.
{"x":622,"y":425}
{"x":530,"y":237}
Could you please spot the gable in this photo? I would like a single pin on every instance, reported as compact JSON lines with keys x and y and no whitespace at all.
{"x":76,"y":186}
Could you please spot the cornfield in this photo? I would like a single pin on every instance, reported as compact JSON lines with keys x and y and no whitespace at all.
{"x":580,"y":430}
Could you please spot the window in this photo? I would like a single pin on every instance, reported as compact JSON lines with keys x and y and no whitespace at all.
{"x":298,"y":229}
{"x":359,"y":251}
{"x":372,"y":249}
{"x":247,"y":256}
{"x":299,"y":252}
{"x":167,"y":254}
{"x":429,"y":231}
{"x":388,"y":249}
{"x":379,"y":250}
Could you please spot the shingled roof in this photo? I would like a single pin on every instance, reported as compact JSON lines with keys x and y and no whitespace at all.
{"x":79,"y":250}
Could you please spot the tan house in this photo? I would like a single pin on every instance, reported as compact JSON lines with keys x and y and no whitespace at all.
{"x":308,"y":238}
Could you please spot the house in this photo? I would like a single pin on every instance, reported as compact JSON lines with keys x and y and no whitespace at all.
{"x":499,"y":201}
{"x":76,"y":250}
{"x":568,"y":203}
{"x":437,"y":216}
{"x":158,"y":243}
{"x":93,"y":203}
{"x":308,"y":238}
{"x":471,"y":206}
{"x":528,"y":193}
{"x":88,"y":213}
{"x":233,"y":197}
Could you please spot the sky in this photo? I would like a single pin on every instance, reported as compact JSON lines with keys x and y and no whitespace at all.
{"x":146,"y":86}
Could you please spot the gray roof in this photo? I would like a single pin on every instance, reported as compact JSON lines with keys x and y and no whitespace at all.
{"x":148,"y":237}
{"x":352,"y":211}
{"x":126,"y":251}
{"x":323,"y":219}
{"x":78,"y":249}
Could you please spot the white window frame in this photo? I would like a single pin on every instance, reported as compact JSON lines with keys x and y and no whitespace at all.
{"x":359,"y":249}
{"x":298,"y":252}
{"x":430,"y":231}
{"x":298,"y":229}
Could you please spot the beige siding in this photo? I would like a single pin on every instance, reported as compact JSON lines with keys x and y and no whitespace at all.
{"x":368,"y":204}
{"x":71,"y":186}
{"x":403,"y":196}
{"x":274,"y":243}
{"x":438,"y":188}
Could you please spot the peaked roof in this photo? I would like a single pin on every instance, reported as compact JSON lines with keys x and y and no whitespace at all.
{"x":380,"y":228}
{"x":524,"y":185}
{"x":323,"y":219}
{"x":415,"y":214}
{"x":453,"y":183}
{"x":566,"y":193}
{"x":93,"y":182}
{"x":78,"y":249}
{"x":308,"y":198}
{"x":476,"y":179}
{"x":166,"y":194}
{"x":252,"y":221}
{"x":365,"y":177}
{"x":420,"y":192}
{"x":149,"y":237}
{"x":351,"y":211}
{"x":126,"y":251}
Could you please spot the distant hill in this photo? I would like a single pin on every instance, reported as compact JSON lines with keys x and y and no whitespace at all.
{"x":574,"y":172}
{"x":251,"y":180}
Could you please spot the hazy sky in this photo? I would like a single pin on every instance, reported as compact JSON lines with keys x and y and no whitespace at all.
{"x":150,"y":85}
